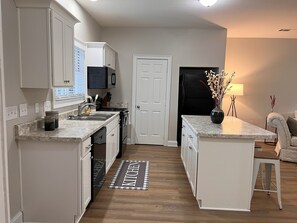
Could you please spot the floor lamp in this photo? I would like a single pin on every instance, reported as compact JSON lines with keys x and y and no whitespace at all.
{"x":235,"y":90}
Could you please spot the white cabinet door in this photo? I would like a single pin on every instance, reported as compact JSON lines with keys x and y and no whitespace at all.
{"x":86,"y":181}
{"x":109,"y":57}
{"x":57,"y":49}
{"x":184,"y":144}
{"x":63,"y":51}
{"x":112,"y":147}
{"x":192,"y":166}
{"x":69,"y":53}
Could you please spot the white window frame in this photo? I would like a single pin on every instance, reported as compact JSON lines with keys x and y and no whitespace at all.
{"x":68,"y":101}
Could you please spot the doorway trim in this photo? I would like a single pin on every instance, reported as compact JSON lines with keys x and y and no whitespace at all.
{"x":167,"y":98}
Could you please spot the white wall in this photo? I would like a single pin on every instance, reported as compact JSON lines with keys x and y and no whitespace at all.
{"x":4,"y":193}
{"x":189,"y":48}
{"x":265,"y":67}
{"x":86,"y":30}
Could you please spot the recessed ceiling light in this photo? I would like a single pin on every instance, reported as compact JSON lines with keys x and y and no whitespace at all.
{"x":93,"y":0}
{"x":207,"y":3}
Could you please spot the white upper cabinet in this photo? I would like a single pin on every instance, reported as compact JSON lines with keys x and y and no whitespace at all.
{"x":46,"y":36}
{"x":100,"y":54}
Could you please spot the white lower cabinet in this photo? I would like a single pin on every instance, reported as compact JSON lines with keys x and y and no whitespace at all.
{"x":55,"y":179}
{"x":112,"y":142}
{"x":86,"y":174}
{"x":189,"y":155}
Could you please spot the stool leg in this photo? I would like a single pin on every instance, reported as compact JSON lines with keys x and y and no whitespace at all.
{"x":262,"y":176}
{"x":278,"y":184}
{"x":255,"y":174}
{"x":268,"y":175}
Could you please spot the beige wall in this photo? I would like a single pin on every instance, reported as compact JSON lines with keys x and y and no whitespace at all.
{"x":265,"y":67}
{"x":188,"y":48}
{"x":87,"y":30}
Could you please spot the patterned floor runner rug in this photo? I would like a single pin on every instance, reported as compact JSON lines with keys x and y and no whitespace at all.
{"x":131,"y":175}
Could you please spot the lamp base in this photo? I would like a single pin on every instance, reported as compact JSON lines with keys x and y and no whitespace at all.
{"x":232,"y":107}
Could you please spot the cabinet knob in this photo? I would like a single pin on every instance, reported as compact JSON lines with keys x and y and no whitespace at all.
{"x":112,"y":135}
{"x":138,"y":107}
{"x":191,"y":137}
{"x":190,"y":147}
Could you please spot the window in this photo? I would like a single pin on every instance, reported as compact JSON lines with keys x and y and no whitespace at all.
{"x":70,"y":96}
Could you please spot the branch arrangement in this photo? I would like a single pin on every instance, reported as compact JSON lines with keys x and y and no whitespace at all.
{"x":219,"y":84}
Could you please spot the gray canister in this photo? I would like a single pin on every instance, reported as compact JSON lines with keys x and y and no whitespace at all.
{"x":49,"y":123}
{"x":54,"y":114}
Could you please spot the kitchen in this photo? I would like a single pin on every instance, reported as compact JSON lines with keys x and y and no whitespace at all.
{"x":126,"y":41}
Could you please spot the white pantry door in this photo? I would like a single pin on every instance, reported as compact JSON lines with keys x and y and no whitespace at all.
{"x":151,"y":76}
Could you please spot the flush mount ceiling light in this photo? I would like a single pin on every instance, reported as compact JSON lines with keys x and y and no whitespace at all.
{"x":207,"y":3}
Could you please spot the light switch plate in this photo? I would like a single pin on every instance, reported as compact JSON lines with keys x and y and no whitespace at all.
{"x":47,"y":106}
{"x":23,"y":110}
{"x":11,"y":112}
{"x":37,"y":108}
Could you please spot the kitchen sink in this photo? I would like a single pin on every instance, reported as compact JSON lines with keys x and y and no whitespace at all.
{"x":95,"y":117}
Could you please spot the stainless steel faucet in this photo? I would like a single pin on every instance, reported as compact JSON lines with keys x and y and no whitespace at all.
{"x":82,"y":105}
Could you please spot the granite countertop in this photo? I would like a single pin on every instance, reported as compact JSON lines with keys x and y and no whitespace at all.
{"x":68,"y":131}
{"x":231,"y":127}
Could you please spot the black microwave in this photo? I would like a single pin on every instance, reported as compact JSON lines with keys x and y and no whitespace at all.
{"x":101,"y":77}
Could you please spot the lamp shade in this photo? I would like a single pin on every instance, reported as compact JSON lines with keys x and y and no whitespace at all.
{"x":207,"y":3}
{"x":235,"y":89}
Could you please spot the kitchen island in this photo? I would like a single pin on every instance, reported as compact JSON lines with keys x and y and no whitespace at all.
{"x":218,"y":159}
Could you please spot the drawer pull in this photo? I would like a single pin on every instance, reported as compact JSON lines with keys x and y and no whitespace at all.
{"x":112,"y":135}
{"x":191,"y":137}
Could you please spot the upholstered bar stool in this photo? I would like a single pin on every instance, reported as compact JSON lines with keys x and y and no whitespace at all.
{"x":268,"y":159}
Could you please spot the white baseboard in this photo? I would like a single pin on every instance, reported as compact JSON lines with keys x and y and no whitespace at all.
{"x":18,"y":218}
{"x":172,"y":143}
{"x":128,"y":141}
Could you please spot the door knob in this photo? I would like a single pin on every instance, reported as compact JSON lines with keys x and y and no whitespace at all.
{"x":138,"y":107}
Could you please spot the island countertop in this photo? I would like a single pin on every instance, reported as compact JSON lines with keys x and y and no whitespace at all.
{"x":231,"y":127}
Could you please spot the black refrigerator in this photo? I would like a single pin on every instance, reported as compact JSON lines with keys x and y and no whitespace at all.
{"x":194,"y":98}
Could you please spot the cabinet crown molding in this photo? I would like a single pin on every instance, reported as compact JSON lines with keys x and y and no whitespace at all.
{"x":51,"y":4}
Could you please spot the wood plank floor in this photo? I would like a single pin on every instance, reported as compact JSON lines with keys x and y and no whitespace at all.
{"x":170,"y":199}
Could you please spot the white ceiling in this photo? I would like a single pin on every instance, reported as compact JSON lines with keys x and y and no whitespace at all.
{"x":242,"y":18}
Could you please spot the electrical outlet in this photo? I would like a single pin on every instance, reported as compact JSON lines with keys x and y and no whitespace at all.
{"x":36,"y":107}
{"x":23,"y":110}
{"x":11,"y":112}
{"x":47,"y":106}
